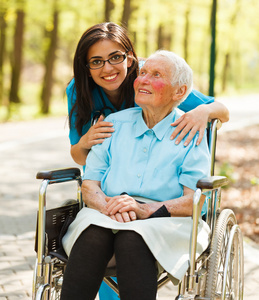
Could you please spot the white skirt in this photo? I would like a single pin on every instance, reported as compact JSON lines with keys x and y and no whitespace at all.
{"x":167,"y":238}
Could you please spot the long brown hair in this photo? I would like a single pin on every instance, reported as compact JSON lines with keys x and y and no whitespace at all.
{"x":84,"y":84}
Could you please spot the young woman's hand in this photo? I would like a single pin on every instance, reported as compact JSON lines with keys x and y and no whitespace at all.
{"x":97,"y":133}
{"x":191,"y":122}
{"x":197,"y":119}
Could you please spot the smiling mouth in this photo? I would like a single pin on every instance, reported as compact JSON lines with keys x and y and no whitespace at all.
{"x":111,"y":77}
{"x":144,"y":91}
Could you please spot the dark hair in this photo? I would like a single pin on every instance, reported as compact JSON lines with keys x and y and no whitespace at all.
{"x":84,"y":84}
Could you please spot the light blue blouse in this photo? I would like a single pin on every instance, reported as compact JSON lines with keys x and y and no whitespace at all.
{"x":144,"y":162}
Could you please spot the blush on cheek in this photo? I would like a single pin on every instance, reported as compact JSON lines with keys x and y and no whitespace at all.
{"x":158,"y":85}
{"x":136,"y":83}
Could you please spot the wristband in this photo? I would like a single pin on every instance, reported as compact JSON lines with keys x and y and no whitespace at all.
{"x":161,"y":212}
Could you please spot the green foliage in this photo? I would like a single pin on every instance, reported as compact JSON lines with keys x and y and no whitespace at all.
{"x":237,"y":34}
{"x":254,"y":181}
{"x":227,"y":170}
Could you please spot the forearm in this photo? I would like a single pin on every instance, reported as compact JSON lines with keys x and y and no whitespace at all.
{"x":217,"y":110}
{"x":182,"y":206}
{"x":93,"y":196}
{"x":79,"y":153}
{"x":178,"y":207}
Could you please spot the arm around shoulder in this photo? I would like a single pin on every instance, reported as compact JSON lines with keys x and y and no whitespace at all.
{"x":217,"y":110}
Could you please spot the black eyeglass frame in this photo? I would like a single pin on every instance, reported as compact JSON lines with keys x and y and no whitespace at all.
{"x":104,"y":61}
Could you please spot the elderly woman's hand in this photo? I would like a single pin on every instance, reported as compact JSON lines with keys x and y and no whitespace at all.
{"x":191,"y":122}
{"x":124,"y":217}
{"x":125,"y":204}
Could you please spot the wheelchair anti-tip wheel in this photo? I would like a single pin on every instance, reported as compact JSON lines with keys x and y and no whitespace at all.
{"x":225,"y":278}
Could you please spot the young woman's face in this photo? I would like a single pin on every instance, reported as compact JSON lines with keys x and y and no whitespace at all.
{"x":109,"y":77}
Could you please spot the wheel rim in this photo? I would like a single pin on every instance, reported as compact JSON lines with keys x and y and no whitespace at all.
{"x":222,"y":262}
{"x":233,"y":273}
{"x":225,"y":266}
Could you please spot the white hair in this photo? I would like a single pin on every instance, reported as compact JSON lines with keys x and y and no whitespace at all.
{"x":181,"y":73}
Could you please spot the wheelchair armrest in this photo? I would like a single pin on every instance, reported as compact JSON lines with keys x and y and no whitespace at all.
{"x":72,"y":173}
{"x":211,"y":183}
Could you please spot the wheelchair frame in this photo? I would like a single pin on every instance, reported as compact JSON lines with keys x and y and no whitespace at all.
{"x":217,"y":274}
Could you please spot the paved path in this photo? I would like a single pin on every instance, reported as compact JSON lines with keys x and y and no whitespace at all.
{"x":244,"y":111}
{"x":26,"y":148}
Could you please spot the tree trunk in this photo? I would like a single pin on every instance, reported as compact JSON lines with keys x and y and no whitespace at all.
{"x":126,"y":13}
{"x":49,"y":66}
{"x":225,"y":71}
{"x":230,"y":50}
{"x":146,"y":42}
{"x":160,"y":37}
{"x":2,"y":52}
{"x":17,"y":57}
{"x":109,"y":6}
{"x":186,"y":33}
{"x":213,"y":22}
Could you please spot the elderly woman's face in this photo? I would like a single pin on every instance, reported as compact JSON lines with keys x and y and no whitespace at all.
{"x":153,"y":86}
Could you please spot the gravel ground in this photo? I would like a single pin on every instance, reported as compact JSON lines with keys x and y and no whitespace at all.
{"x":238,"y":158}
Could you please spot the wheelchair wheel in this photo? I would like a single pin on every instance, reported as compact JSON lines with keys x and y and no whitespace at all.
{"x":225,"y":275}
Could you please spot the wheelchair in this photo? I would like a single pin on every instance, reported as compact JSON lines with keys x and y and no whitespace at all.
{"x":217,"y":274}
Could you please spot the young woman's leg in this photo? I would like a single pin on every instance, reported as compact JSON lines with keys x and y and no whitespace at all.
{"x":136,"y":267}
{"x":87,"y":263}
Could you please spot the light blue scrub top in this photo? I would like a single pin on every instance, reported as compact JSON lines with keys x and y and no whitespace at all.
{"x":144,"y":162}
{"x":192,"y":101}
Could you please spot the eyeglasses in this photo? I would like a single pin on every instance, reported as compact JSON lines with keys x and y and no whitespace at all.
{"x":99,"y":63}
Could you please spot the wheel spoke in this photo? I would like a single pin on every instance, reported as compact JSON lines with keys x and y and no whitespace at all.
{"x":225,"y":268}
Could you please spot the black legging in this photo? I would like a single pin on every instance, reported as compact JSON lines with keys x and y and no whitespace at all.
{"x":136,"y":268}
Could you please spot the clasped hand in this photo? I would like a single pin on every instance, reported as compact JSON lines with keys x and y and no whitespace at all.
{"x":124,"y":208}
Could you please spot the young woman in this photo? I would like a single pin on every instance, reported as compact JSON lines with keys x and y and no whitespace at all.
{"x":105,"y":67}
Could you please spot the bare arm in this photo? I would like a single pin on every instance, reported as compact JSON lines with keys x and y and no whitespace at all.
{"x":196,"y":120}
{"x":95,"y":135}
{"x":217,"y":110}
{"x":79,"y":153}
{"x":179,"y":207}
{"x":94,"y":198}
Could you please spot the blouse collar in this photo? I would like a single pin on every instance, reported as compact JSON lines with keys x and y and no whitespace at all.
{"x":159,"y":129}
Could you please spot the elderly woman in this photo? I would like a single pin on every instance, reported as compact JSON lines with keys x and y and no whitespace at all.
{"x":138,"y":188}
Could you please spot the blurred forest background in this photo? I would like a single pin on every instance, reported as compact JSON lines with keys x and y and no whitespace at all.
{"x":38,"y":41}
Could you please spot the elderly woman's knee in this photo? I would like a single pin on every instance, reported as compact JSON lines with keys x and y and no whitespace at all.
{"x":96,"y":236}
{"x":129,"y":241}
